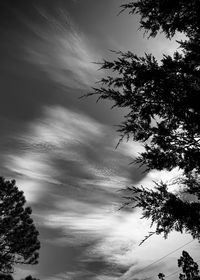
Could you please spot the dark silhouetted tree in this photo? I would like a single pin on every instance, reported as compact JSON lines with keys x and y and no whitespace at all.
{"x":30,"y":278}
{"x":6,"y":277}
{"x":166,"y":15}
{"x":188,"y":266}
{"x":9,"y":277}
{"x":163,"y":100}
{"x":19,"y":242}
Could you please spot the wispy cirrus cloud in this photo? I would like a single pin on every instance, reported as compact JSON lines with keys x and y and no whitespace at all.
{"x":60,"y":165}
{"x":62,"y":51}
{"x":71,"y":172}
{"x":50,"y":144}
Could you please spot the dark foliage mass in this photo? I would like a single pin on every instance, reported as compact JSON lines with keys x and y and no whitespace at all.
{"x":163,"y":99}
{"x":30,"y":278}
{"x":19,"y":242}
{"x":6,"y":277}
{"x":168,"y":16}
{"x":9,"y":277}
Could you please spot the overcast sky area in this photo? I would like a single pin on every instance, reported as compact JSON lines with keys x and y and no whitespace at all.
{"x":61,"y":149}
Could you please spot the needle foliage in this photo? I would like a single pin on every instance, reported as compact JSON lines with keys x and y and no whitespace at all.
{"x":163,"y":101}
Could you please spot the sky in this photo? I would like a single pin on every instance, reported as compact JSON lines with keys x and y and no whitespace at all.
{"x":60,"y":148}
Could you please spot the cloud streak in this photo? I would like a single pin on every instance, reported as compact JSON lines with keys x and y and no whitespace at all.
{"x":70,"y":172}
{"x":61,"y":166}
{"x":64,"y":53}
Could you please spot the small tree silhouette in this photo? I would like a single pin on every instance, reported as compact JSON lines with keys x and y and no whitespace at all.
{"x":19,"y":242}
{"x":30,"y":278}
{"x":189,"y":268}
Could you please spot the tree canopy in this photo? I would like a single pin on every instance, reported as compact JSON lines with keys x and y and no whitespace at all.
{"x":166,"y":15}
{"x":162,"y":98}
{"x":19,"y":242}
